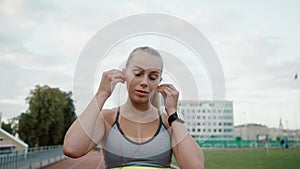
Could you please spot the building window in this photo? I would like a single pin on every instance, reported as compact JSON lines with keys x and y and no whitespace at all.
{"x":227,"y":130}
{"x":227,"y":117}
{"x":227,"y":124}
{"x":227,"y":111}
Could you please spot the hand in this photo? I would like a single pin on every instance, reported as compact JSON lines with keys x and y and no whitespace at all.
{"x":170,"y":95}
{"x":109,"y":81}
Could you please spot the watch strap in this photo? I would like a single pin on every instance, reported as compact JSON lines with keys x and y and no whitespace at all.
{"x":174,"y":117}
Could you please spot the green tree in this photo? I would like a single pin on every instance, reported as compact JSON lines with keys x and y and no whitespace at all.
{"x":7,"y":127}
{"x":49,"y":115}
{"x":11,"y":126}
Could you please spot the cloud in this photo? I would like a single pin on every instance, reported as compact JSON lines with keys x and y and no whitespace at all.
{"x":250,"y":56}
{"x":211,"y":20}
{"x":259,"y":74}
{"x":41,"y":41}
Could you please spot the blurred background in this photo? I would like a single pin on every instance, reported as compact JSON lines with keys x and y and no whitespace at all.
{"x":256,"y":43}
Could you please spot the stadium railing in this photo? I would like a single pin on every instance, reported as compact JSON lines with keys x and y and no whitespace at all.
{"x":35,"y":157}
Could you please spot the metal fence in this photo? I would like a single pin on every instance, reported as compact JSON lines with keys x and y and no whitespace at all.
{"x":35,"y":158}
{"x":244,"y":144}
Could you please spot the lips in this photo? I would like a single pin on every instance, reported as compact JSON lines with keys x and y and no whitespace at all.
{"x":141,"y":92}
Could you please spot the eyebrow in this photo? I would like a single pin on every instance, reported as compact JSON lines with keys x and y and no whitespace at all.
{"x":154,"y":71}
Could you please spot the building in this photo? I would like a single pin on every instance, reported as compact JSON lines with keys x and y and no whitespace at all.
{"x":250,"y":131}
{"x":278,"y":134}
{"x":208,"y":120}
{"x":275,"y":133}
{"x":9,"y":143}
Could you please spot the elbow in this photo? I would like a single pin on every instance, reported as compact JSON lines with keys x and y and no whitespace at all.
{"x":71,"y":152}
{"x":200,"y":165}
{"x":196,"y":162}
{"x":195,"y":165}
{"x":201,"y":162}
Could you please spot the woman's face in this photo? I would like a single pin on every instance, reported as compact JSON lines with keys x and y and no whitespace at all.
{"x":143,"y":75}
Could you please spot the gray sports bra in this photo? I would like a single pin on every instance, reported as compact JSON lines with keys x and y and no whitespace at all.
{"x":120,"y":151}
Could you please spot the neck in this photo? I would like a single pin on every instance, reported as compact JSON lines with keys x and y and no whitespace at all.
{"x":137,"y":107}
{"x":139,"y":112}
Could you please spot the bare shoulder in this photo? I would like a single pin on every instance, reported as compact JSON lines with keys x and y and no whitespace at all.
{"x":109,"y":115}
{"x":165,"y":119}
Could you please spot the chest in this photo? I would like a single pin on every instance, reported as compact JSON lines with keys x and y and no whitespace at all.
{"x":138,"y":132}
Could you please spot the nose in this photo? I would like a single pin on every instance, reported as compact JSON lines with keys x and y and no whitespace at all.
{"x":144,"y":82}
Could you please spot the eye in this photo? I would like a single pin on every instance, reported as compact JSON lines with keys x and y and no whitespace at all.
{"x":153,"y":77}
{"x":137,"y":73}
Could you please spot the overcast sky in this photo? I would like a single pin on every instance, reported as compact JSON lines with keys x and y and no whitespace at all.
{"x":256,"y":42}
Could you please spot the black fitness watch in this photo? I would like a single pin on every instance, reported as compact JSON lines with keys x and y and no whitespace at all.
{"x":174,"y":117}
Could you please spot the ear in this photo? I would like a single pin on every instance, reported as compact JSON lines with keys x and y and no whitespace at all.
{"x":124,"y":73}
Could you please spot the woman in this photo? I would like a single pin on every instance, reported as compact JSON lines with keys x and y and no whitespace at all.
{"x":136,"y":134}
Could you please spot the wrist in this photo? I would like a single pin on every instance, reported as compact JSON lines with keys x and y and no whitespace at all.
{"x":174,"y":117}
{"x":102,"y":94}
{"x":171,"y":111}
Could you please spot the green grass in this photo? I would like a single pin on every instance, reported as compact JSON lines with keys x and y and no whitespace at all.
{"x":251,"y":158}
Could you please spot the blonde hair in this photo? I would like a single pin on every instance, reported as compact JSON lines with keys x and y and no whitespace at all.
{"x":155,"y":98}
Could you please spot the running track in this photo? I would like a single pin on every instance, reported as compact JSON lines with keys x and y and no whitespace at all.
{"x":93,"y":160}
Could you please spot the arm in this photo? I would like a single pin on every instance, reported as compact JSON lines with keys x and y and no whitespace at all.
{"x":89,"y":128}
{"x":187,"y":152}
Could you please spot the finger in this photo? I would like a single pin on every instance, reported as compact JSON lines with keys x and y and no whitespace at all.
{"x":165,"y":87}
{"x":119,"y":74}
{"x":161,"y":91}
{"x":165,"y":90}
{"x":171,"y":87}
{"x":117,"y":80}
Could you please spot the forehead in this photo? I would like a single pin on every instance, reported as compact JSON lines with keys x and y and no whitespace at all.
{"x":145,"y":61}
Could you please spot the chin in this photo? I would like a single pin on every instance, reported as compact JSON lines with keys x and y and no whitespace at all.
{"x":138,"y":99}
